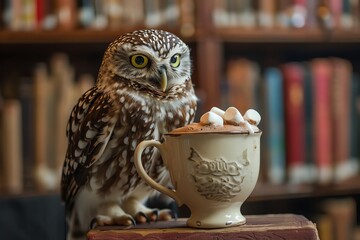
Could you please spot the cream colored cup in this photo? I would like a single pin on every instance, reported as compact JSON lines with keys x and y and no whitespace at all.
{"x":212,"y":173}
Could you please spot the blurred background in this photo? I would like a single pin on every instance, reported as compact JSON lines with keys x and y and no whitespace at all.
{"x":297,"y":62}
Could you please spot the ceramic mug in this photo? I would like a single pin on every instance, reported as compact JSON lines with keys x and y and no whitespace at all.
{"x":212,"y":173}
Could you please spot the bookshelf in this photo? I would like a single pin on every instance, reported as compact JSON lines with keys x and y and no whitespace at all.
{"x":212,"y":47}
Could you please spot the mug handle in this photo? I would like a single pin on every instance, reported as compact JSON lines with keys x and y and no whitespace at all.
{"x":141,"y":171}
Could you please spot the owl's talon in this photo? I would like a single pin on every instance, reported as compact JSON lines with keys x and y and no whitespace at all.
{"x":133,"y":222}
{"x":93,"y":223}
{"x":100,"y":220}
{"x":125,"y":220}
{"x":165,"y":214}
{"x":154,"y":215}
{"x":141,"y":217}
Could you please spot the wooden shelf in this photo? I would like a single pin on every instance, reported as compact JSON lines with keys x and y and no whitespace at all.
{"x":265,"y":191}
{"x":237,"y":35}
{"x":240,"y":35}
{"x":76,"y":36}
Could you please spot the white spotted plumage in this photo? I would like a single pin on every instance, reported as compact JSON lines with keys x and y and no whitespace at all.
{"x":126,"y":106}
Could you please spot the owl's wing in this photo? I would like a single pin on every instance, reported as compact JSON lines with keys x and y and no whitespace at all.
{"x":89,"y":129}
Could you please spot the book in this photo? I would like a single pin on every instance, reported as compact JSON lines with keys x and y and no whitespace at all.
{"x":11,"y":134}
{"x":324,"y":15}
{"x":283,"y":7}
{"x":187,"y":17}
{"x":153,"y":16}
{"x":1,"y":145}
{"x":355,"y":119}
{"x":242,"y":79}
{"x":86,"y":12}
{"x":347,"y":20}
{"x":50,"y":20}
{"x":336,"y":9}
{"x":124,"y":13}
{"x":25,"y":96}
{"x":220,"y":14}
{"x":62,"y":78}
{"x":43,"y":175}
{"x":340,"y":101}
{"x":2,"y":14}
{"x":101,"y":18}
{"x":248,"y":14}
{"x":325,"y":226}
{"x":293,"y":74}
{"x":274,"y":102}
{"x":40,"y":8}
{"x":171,"y":13}
{"x":266,"y":13}
{"x":342,"y":213}
{"x":234,"y":9}
{"x":311,"y":15}
{"x":66,"y":13}
{"x":273,"y":226}
{"x":15,"y":19}
{"x":310,"y":166}
{"x":28,"y":12}
{"x":134,"y":10}
{"x":321,"y":69}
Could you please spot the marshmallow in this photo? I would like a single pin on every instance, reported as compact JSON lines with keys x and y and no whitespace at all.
{"x":252,"y":116}
{"x":233,"y":116}
{"x":249,"y":127}
{"x":218,"y":111}
{"x":211,"y":118}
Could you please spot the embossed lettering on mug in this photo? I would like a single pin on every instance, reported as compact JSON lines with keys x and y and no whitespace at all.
{"x":218,"y":179}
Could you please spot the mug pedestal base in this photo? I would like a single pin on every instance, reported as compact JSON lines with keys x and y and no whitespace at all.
{"x":227,"y":219}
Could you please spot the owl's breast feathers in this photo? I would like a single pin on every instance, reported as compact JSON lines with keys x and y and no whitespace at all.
{"x":104,"y":129}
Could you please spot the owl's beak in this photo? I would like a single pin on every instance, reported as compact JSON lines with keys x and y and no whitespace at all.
{"x":163,"y":79}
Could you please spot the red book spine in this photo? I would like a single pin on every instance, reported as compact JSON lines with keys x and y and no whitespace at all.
{"x":294,"y":120}
{"x":322,"y":73}
{"x":40,"y":14}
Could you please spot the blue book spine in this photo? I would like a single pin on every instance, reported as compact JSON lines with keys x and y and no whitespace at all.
{"x":275,"y":137}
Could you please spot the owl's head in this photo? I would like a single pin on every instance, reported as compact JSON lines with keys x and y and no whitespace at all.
{"x":153,"y":59}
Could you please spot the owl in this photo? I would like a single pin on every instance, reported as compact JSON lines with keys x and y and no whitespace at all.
{"x":143,"y":91}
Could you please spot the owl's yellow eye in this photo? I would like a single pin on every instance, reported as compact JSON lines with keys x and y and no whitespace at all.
{"x":175,"y":60}
{"x":139,"y":61}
